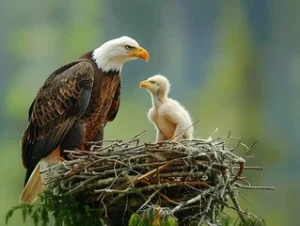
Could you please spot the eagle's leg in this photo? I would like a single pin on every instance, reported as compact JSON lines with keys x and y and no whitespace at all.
{"x":74,"y":139}
{"x":99,"y":137}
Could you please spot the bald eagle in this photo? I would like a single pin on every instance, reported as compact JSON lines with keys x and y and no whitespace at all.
{"x":72,"y":108}
{"x":171,"y":119}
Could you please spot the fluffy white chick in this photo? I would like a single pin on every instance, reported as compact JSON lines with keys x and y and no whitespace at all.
{"x":171,"y":119}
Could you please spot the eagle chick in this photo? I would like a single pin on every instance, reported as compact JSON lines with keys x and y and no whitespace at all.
{"x":170,"y":118}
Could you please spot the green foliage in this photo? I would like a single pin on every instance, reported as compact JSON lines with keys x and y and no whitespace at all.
{"x":226,"y":220}
{"x":223,"y":220}
{"x":152,"y":218}
{"x":253,"y":221}
{"x":169,"y":221}
{"x":64,"y":210}
{"x":135,"y":219}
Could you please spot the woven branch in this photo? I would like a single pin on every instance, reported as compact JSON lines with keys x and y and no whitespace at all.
{"x":188,"y":179}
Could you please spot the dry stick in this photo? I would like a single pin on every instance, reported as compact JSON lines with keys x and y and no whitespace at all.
{"x":244,"y":180}
{"x":162,"y":195}
{"x":106,"y":140}
{"x":82,"y":184}
{"x":168,"y":199}
{"x":95,"y":162}
{"x":250,"y":148}
{"x":238,"y":144}
{"x":250,"y":168}
{"x":152,"y":172}
{"x":255,"y":187}
{"x":149,"y":199}
{"x":236,"y":158}
{"x":193,"y":200}
{"x":184,"y":130}
{"x":241,"y":170}
{"x":130,"y":167}
{"x":139,"y":135}
{"x":229,"y":134}
{"x":242,"y":144}
{"x":135,"y":149}
{"x":113,"y":145}
{"x":136,"y":190}
{"x":236,"y":203}
{"x":113,"y":200}
{"x":190,"y":183}
{"x":213,"y":214}
{"x":188,"y":208}
{"x":180,"y":174}
{"x":206,"y":210}
{"x":99,"y":183}
{"x":215,"y":152}
{"x":210,"y":137}
{"x":225,"y":186}
{"x":125,"y":178}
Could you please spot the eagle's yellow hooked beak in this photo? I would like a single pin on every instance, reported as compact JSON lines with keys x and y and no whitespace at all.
{"x":140,"y":52}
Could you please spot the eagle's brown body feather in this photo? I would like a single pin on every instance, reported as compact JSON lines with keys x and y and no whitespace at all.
{"x":72,"y":108}
{"x":104,"y":103}
{"x":77,"y":99}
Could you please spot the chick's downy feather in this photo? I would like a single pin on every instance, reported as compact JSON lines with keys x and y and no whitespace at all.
{"x":170,"y":118}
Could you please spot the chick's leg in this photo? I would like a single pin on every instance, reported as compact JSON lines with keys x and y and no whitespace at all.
{"x":179,"y":133}
{"x":160,"y":136}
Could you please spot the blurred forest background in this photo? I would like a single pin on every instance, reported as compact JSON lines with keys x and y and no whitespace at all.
{"x":234,"y":64}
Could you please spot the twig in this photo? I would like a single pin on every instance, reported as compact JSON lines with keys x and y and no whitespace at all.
{"x":149,"y":199}
{"x":153,"y":171}
{"x":206,"y":210}
{"x":250,"y":148}
{"x":135,"y":190}
{"x":255,"y":187}
{"x":250,"y":168}
{"x":236,"y":203}
{"x":193,"y":200}
{"x":162,"y":195}
{"x":184,"y":130}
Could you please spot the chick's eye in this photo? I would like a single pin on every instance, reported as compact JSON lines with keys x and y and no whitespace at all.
{"x":128,"y":47}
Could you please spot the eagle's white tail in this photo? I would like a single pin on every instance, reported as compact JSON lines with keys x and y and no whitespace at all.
{"x":36,"y":181}
{"x":34,"y":185}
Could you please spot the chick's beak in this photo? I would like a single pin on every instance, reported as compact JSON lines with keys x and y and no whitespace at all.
{"x":140,"y":52}
{"x":145,"y":84}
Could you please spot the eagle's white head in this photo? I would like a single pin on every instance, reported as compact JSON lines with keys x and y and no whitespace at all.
{"x":114,"y":53}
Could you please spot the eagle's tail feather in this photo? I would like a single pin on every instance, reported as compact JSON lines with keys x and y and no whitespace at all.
{"x":36,"y":182}
{"x":34,"y":186}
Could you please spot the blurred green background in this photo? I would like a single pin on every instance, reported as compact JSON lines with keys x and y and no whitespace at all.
{"x":234,"y":64}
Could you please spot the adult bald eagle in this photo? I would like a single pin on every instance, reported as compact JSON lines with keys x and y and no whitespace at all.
{"x":73,"y":106}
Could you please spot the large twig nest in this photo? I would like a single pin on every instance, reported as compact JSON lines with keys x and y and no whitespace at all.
{"x":188,"y":179}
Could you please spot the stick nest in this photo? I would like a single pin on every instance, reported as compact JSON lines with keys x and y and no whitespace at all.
{"x":190,"y":179}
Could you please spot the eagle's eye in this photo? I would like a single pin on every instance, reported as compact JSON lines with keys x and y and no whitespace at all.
{"x":152,"y":82}
{"x":128,"y":47}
